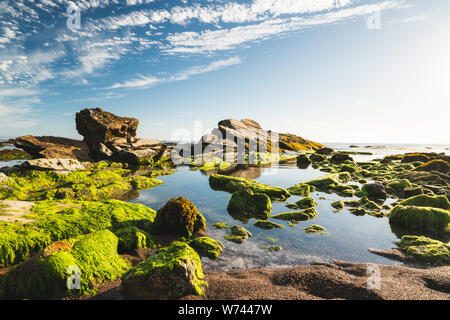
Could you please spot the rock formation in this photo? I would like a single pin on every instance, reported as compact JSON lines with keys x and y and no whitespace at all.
{"x":110,"y":137}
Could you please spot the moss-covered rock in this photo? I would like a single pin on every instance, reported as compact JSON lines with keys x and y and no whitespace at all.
{"x":238,"y":234}
{"x":232,"y":184}
{"x":425,"y":249}
{"x":267,"y":225}
{"x":303,"y":161}
{"x":427,"y":201}
{"x":48,"y":274}
{"x":340,"y":158}
{"x":179,"y":217}
{"x":304,"y":215}
{"x":414,"y":157}
{"x":13,"y":154}
{"x":435,"y":165}
{"x":425,"y":219}
{"x":338,"y":205}
{"x":272,"y":248}
{"x":207,"y":247}
{"x":305,"y":203}
{"x":301,"y":189}
{"x":131,"y":238}
{"x":175,"y":271}
{"x":397,"y":187}
{"x":221,"y":225}
{"x":244,"y":204}
{"x":314,"y":228}
{"x":79,"y":185}
{"x":56,"y":220}
{"x":317,"y":158}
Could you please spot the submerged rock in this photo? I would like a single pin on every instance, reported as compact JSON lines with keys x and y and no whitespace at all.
{"x":267,"y":225}
{"x":175,"y":271}
{"x":179,"y":217}
{"x":314,"y":228}
{"x":238,"y":234}
{"x":246,"y":204}
{"x":304,"y":215}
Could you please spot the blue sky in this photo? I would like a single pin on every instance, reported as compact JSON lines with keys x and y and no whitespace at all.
{"x":327,"y":70}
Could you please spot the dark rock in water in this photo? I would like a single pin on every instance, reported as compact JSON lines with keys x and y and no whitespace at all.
{"x":435,"y":165}
{"x":53,"y":147}
{"x":317,"y":158}
{"x":179,"y":217}
{"x":303,"y":161}
{"x":340,"y":157}
{"x":110,"y":137}
{"x":13,"y":154}
{"x":375,"y":191}
{"x":325,"y":151}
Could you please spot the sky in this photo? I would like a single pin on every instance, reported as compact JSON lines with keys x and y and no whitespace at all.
{"x":327,"y":70}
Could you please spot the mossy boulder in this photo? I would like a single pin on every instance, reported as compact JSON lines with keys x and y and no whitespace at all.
{"x":314,"y":228}
{"x":414,"y":157}
{"x":175,"y":271}
{"x":325,"y":151}
{"x":424,"y":219}
{"x":179,"y":217}
{"x":427,"y":201}
{"x":303,"y":161}
{"x":304,"y":215}
{"x":435,"y":165}
{"x":238,"y":234}
{"x":267,"y":225}
{"x":244,"y":204}
{"x":233,"y":184}
{"x":305,"y":203}
{"x":425,"y":249}
{"x":207,"y":247}
{"x":317,"y":158}
{"x":57,"y":220}
{"x":48,"y":274}
{"x":338,"y":205}
{"x":397,"y":187}
{"x":340,"y":158}
{"x":374,"y":191}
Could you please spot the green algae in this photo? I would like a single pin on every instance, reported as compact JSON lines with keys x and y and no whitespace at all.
{"x":238,"y":234}
{"x":232,"y":184}
{"x":425,"y":249}
{"x":301,"y":189}
{"x":131,"y":238}
{"x":427,"y":201}
{"x":207,"y":247}
{"x":221,"y":225}
{"x":57,"y":220}
{"x":305,"y":203}
{"x":244,"y":204}
{"x":47,"y":274}
{"x":78,"y":185}
{"x":14,"y":154}
{"x":272,"y":248}
{"x":175,"y":271}
{"x":267,"y":225}
{"x":338,"y":205}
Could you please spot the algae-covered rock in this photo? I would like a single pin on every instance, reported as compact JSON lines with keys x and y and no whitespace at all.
{"x":435,"y":165}
{"x":131,"y":238}
{"x":245,"y":204}
{"x":325,"y":151}
{"x":340,"y":158}
{"x":207,"y":247}
{"x":303,"y":161}
{"x":305,"y":203}
{"x":425,"y":219}
{"x":427,"y":201}
{"x":414,"y":157}
{"x":238,"y":234}
{"x":175,"y":271}
{"x":425,"y":249}
{"x":179,"y":217}
{"x":56,"y":220}
{"x":304,"y":215}
{"x":338,"y":205}
{"x":221,"y":225}
{"x":50,"y":274}
{"x":317,"y":158}
{"x":374,"y":191}
{"x":232,"y":184}
{"x":13,"y":154}
{"x":301,"y":189}
{"x":267,"y":225}
{"x":314,"y":228}
{"x":271,"y":248}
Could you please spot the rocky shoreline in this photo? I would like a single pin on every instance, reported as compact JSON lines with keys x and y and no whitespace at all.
{"x":62,"y":215}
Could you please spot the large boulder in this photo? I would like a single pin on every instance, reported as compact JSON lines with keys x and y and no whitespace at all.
{"x":179,"y":217}
{"x":374,"y":191}
{"x":110,"y":137}
{"x":53,"y":147}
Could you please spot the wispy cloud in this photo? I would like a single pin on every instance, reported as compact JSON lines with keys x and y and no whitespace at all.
{"x":413,"y":19}
{"x":143,"y":82}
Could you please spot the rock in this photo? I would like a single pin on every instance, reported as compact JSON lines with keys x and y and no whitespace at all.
{"x":338,"y":205}
{"x":413,"y":157}
{"x":423,"y":219}
{"x":244,"y":205}
{"x":110,"y":137}
{"x":317,"y":158}
{"x":305,"y":203}
{"x":238,"y":234}
{"x":425,"y":249}
{"x":304,"y":215}
{"x":207,"y":247}
{"x":314,"y":228}
{"x":4,"y":177}
{"x":374,"y":191}
{"x":267,"y":225}
{"x":340,"y":157}
{"x":427,"y":201}
{"x":179,"y":217}
{"x":301,"y":189}
{"x":175,"y":271}
{"x":303,"y":161}
{"x":45,"y":164}
{"x":435,"y":165}
{"x":325,"y":151}
{"x":46,"y":275}
{"x":13,"y":154}
{"x":53,"y":147}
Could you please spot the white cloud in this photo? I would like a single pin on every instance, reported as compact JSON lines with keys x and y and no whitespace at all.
{"x":419,"y":18}
{"x":143,"y":82}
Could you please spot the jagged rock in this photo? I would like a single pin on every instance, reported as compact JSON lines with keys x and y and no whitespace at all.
{"x":44,"y":164}
{"x":53,"y":147}
{"x":110,"y":137}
